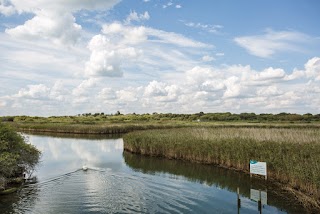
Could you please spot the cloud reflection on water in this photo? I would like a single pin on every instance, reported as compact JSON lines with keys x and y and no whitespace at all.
{"x":62,"y":155}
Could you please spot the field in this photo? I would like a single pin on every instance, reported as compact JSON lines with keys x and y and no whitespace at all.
{"x":292,"y":155}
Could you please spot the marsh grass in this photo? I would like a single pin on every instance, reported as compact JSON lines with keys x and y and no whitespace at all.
{"x":92,"y":128}
{"x":292,"y":155}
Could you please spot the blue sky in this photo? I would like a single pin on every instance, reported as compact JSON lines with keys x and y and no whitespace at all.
{"x":70,"y":57}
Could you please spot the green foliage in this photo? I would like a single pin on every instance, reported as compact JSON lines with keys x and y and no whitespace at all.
{"x":15,"y":154}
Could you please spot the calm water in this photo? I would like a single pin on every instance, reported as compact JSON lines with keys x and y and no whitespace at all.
{"x":118,"y":182}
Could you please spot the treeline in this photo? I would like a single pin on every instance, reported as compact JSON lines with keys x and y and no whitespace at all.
{"x":200,"y":117}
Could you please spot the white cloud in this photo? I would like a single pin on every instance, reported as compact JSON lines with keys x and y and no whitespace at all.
{"x":54,"y":20}
{"x":200,"y":88}
{"x":6,"y":9}
{"x":83,"y":88}
{"x":59,"y":92}
{"x":205,"y":27}
{"x":269,"y":91}
{"x":59,"y":28}
{"x":272,"y":42}
{"x":219,"y":54}
{"x":62,"y":5}
{"x":175,"y":39}
{"x":34,"y":91}
{"x":311,"y":70}
{"x":207,"y":58}
{"x":122,"y":46}
{"x":178,"y":6}
{"x":107,"y":94}
{"x":129,"y":94}
{"x":161,"y":92}
{"x":134,"y":16}
{"x":106,"y":57}
{"x":269,"y":74}
{"x":199,"y":75}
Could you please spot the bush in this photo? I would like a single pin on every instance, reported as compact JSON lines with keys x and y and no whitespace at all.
{"x":16,"y":156}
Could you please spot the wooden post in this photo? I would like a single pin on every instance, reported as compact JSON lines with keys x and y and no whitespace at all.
{"x":259,"y":202}
{"x":238,"y":201}
{"x":265,"y":177}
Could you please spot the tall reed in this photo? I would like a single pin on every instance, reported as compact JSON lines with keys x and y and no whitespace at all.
{"x":292,"y":155}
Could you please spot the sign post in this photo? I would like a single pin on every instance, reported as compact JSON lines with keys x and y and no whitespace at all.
{"x":259,"y":168}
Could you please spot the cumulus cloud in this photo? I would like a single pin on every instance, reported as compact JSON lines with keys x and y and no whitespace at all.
{"x":106,"y":58}
{"x":272,"y":42}
{"x":57,"y":27}
{"x":119,"y":43}
{"x":162,"y":92}
{"x":311,"y":70}
{"x":39,"y":91}
{"x":129,"y":94}
{"x":134,"y":16}
{"x":82,"y":89}
{"x":53,"y":20}
{"x":205,"y":88}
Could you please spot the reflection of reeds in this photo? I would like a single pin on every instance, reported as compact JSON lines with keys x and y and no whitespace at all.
{"x":292,"y":155}
{"x":215,"y":176}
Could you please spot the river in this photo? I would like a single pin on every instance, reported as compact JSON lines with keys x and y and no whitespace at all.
{"x":120,"y":182}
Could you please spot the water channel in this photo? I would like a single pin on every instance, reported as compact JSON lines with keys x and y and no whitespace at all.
{"x":120,"y":182}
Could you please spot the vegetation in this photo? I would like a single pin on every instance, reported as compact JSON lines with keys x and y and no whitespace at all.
{"x":100,"y":123}
{"x":94,"y":118}
{"x":292,"y":154}
{"x":16,"y":156}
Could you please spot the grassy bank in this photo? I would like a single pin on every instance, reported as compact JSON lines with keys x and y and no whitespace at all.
{"x":99,"y":128}
{"x":107,"y":127}
{"x":292,"y":155}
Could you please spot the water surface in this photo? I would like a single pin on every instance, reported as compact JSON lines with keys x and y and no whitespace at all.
{"x":120,"y":182}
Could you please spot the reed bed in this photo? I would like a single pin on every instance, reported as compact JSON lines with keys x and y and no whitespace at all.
{"x":90,"y":128}
{"x":292,"y":155}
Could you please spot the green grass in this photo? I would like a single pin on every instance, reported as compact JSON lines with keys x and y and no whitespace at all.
{"x":292,"y":155}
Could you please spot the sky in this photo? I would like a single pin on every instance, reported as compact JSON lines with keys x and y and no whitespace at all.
{"x":67,"y":57}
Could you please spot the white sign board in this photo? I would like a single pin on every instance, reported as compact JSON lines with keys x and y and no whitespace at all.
{"x":255,"y":196}
{"x":259,"y":168}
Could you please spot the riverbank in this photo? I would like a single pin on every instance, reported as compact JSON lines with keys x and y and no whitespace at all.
{"x":126,"y":127}
{"x":292,"y":154}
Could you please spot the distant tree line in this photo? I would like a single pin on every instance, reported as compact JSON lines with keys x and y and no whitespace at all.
{"x":201,"y":116}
